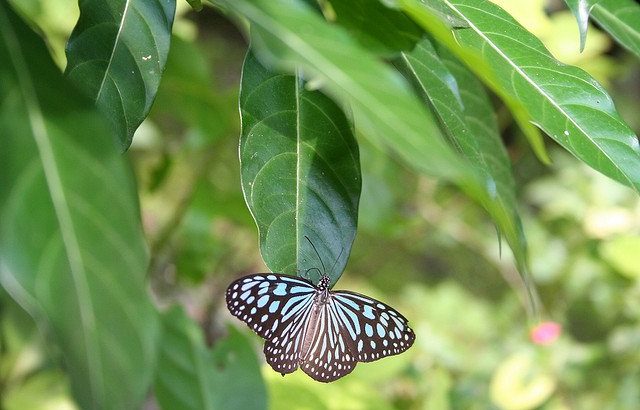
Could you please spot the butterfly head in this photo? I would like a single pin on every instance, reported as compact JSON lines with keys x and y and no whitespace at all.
{"x":324,"y":283}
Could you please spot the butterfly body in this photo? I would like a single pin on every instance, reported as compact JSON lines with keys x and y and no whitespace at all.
{"x":323,"y":332}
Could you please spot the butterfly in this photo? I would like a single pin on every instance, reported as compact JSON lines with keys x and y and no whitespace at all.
{"x":325,"y":333}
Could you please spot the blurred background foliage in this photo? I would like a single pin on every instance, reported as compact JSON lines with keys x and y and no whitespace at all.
{"x":422,"y":246}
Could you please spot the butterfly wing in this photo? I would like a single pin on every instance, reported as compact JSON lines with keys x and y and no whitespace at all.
{"x":326,"y":356}
{"x":325,"y":339}
{"x":371,"y":329}
{"x":276,"y":307}
{"x":269,"y":303}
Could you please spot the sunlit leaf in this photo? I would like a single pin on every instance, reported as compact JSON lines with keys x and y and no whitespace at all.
{"x":71,"y":245}
{"x":520,"y":383}
{"x":116,"y":55}
{"x":43,"y":391}
{"x":300,"y":172}
{"x":438,"y":16}
{"x":19,"y":339}
{"x":563,"y":101}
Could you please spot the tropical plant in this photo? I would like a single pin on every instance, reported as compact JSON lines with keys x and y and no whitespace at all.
{"x":386,"y":118}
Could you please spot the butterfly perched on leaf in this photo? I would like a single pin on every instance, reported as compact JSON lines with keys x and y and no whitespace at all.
{"x":325,"y":333}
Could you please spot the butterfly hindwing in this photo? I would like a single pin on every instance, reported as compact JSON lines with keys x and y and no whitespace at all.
{"x":282,"y":351}
{"x":327,"y":356}
{"x":373,"y":329}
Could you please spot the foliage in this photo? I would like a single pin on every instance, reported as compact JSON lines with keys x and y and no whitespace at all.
{"x":397,"y":116}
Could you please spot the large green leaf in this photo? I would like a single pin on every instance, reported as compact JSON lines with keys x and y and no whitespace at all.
{"x":190,"y":376}
{"x":290,"y":34}
{"x":621,"y":18}
{"x":563,"y":101}
{"x":71,"y":245}
{"x":447,"y":20}
{"x":300,"y":172}
{"x":385,"y":109}
{"x":116,"y":55}
{"x":466,"y":112}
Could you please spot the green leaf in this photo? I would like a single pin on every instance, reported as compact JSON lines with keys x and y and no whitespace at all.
{"x":237,"y":376}
{"x":379,"y":29}
{"x":563,"y":101}
{"x":300,"y":172}
{"x":438,"y":16}
{"x":67,"y":206}
{"x":466,"y":112}
{"x":289,"y":34}
{"x":385,"y":109}
{"x":441,"y":10}
{"x":116,"y":55}
{"x":580,"y":9}
{"x":190,"y":376}
{"x":621,"y":19}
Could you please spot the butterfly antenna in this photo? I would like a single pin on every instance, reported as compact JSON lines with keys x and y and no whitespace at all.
{"x":309,"y":270}
{"x":336,"y":262}
{"x":319,"y":258}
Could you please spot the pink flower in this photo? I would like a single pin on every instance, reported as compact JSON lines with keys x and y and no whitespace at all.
{"x":545,"y":333}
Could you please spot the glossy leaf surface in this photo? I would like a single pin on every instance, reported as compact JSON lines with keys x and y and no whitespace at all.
{"x":71,"y":245}
{"x":300,"y":172}
{"x":563,"y":101}
{"x":116,"y":55}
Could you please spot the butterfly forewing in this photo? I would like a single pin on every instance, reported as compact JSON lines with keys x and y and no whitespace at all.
{"x":373,"y":329}
{"x":270,"y":304}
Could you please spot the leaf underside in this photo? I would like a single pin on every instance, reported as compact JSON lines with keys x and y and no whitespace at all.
{"x":300,"y":172}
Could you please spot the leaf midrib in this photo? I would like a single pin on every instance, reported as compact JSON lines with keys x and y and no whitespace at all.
{"x":116,"y":43}
{"x":499,"y":200}
{"x":357,"y":92}
{"x":60,"y":204}
{"x":523,"y":75}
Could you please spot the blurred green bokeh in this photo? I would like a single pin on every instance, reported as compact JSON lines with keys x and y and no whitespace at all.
{"x":422,"y":247}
